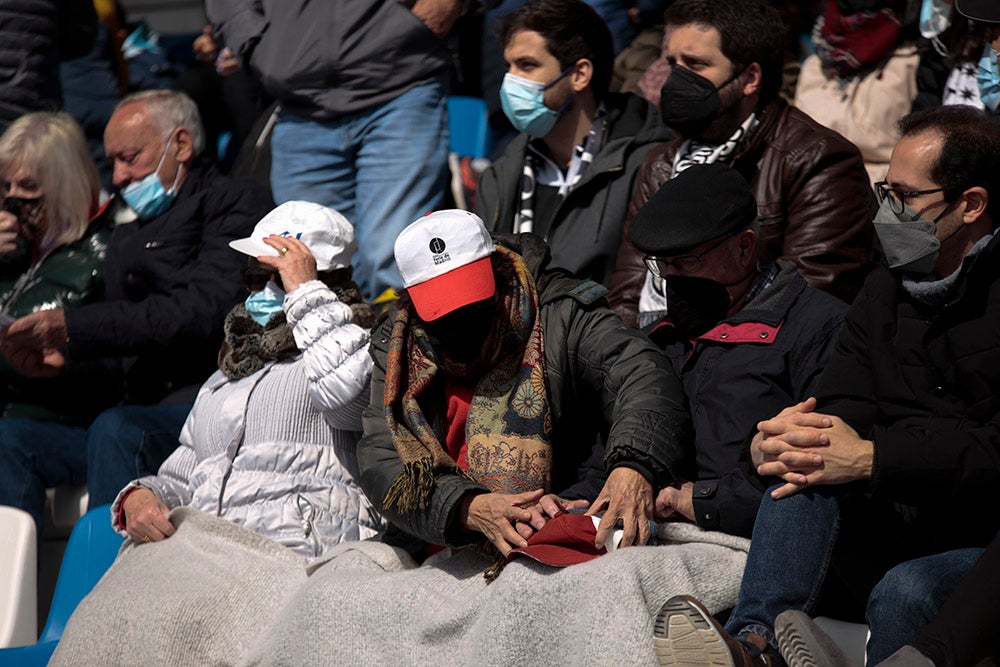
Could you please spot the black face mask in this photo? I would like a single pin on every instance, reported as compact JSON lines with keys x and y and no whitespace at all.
{"x":695,"y":304}
{"x":461,"y":333}
{"x":27,"y":210}
{"x":689,"y":102}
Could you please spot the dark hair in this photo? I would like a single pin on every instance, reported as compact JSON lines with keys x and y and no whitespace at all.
{"x":970,"y":152}
{"x":572,"y":30}
{"x":751,"y":32}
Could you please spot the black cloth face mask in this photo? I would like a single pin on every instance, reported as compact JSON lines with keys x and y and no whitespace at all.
{"x":689,"y":102}
{"x":27,"y":211}
{"x":695,"y":305}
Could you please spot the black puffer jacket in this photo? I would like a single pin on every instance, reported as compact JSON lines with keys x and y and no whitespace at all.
{"x":924,"y":385}
{"x":747,"y":368}
{"x":602,"y":378}
{"x":586,"y":228}
{"x":170,"y":282}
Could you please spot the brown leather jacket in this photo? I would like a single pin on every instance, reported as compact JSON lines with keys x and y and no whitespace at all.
{"x":815,"y":205}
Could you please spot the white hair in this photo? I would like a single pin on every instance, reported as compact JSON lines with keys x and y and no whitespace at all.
{"x":171,"y":109}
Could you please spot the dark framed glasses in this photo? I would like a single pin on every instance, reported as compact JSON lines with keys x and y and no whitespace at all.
{"x":897,"y":198}
{"x":683,"y":263}
{"x":256,"y":278}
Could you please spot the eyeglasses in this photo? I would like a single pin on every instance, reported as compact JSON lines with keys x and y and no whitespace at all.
{"x":683,"y":263}
{"x":897,"y":198}
{"x":256,"y":278}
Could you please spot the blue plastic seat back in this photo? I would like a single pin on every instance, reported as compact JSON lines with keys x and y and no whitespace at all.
{"x":92,"y":547}
{"x":469,"y":128}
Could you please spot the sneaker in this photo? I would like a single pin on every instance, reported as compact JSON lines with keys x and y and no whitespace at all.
{"x":685,"y":634}
{"x":804,"y":644}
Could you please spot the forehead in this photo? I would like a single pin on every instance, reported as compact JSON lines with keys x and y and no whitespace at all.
{"x":18,"y":170}
{"x":912,"y":160}
{"x":131,"y":126}
{"x":526,"y":44}
{"x":695,"y":39}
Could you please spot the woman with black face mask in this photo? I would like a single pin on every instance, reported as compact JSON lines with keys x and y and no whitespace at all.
{"x":53,"y":237}
{"x":52,"y":241}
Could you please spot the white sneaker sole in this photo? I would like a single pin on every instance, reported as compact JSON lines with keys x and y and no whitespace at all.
{"x":683,"y":637}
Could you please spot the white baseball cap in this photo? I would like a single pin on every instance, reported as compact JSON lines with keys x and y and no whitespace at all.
{"x":444,"y":260}
{"x":327,"y":234}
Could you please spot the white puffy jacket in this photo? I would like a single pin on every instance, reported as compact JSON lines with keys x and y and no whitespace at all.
{"x":275,"y":451}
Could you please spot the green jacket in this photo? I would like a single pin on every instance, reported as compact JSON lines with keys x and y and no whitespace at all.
{"x":71,"y":275}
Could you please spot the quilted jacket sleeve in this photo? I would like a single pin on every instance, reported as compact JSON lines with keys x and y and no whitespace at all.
{"x":334,"y":352}
{"x":171,"y":483}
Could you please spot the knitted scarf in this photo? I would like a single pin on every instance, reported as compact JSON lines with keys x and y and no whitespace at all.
{"x":247,"y":346}
{"x":509,"y":425}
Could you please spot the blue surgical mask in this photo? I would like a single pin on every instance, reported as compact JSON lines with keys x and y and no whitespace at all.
{"x":935,"y":17}
{"x":523,"y":102}
{"x":265,"y":304}
{"x":147,"y":196}
{"x":988,"y":78}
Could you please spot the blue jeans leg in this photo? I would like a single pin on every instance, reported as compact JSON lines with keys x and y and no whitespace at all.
{"x":790,"y":551}
{"x":909,"y":596}
{"x":402,"y":175}
{"x":36,"y":455}
{"x":129,"y":442}
{"x":382,"y":169}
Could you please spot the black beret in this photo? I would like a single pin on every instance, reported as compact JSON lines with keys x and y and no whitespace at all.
{"x":987,"y":11}
{"x":704,"y":202}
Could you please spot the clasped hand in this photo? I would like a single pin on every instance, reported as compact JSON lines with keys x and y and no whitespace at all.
{"x":805,"y":448}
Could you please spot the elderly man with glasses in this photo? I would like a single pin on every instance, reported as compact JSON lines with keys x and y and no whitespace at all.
{"x":897,"y":457}
{"x":746,"y":337}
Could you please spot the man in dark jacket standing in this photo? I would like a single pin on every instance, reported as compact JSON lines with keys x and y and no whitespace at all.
{"x":170,"y":279}
{"x":813,"y":195}
{"x":569,"y":174}
{"x":747,"y":338}
{"x":493,"y":378}
{"x":898,"y":455}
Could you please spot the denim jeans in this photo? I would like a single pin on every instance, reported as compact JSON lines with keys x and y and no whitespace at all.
{"x":909,"y":596}
{"x":129,"y":442}
{"x":790,"y":550}
{"x":36,"y":455}
{"x":382,"y":169}
{"x":800,"y":540}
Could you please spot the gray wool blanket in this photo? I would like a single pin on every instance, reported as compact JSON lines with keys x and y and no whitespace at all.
{"x":218,"y":594}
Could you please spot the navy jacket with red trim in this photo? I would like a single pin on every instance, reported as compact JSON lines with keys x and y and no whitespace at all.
{"x":747,"y":368}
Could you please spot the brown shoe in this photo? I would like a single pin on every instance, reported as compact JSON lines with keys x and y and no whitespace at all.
{"x":686,"y":635}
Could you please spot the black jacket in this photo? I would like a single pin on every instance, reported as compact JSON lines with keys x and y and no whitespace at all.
{"x":169,"y":283}
{"x":748,"y":368}
{"x":924,"y":385}
{"x":587,"y":226}
{"x":602,"y":378}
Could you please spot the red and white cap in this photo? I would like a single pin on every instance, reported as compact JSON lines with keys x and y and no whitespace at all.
{"x":444,"y":261}
{"x":566,"y":539}
{"x":327,"y":234}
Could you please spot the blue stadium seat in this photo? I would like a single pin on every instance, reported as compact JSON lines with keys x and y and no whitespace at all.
{"x":92,"y":547}
{"x":469,"y":128}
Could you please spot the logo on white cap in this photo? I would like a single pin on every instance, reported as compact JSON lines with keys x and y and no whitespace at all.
{"x":454,"y":237}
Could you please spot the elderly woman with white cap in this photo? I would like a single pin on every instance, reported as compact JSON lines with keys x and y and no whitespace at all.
{"x":270,"y":441}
